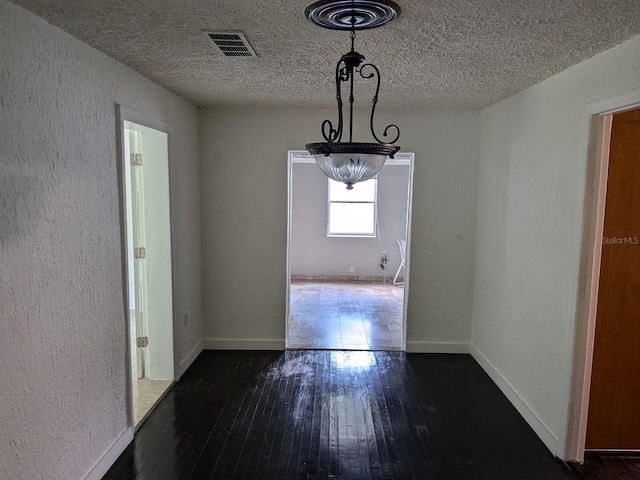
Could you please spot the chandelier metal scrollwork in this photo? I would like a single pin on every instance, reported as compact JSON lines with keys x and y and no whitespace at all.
{"x":351,"y":162}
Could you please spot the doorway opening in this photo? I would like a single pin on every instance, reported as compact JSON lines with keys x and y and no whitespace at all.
{"x":348,"y":258}
{"x":147,"y":248}
{"x":593,"y":286}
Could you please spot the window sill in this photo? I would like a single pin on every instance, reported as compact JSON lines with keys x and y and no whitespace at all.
{"x":349,"y":235}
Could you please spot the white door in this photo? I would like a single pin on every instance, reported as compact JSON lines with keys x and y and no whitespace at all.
{"x":147,"y":247}
{"x":147,"y":196}
{"x":139,"y":250}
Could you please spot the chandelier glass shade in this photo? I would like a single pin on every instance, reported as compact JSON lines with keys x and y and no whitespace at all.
{"x":351,"y":162}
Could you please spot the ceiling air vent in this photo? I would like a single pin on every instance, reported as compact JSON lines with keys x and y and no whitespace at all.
{"x":231,"y":44}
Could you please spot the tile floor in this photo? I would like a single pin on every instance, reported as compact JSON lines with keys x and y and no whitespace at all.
{"x":345,"y":315}
{"x":146,"y":393}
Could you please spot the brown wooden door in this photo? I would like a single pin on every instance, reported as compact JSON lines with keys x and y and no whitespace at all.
{"x":614,"y":402}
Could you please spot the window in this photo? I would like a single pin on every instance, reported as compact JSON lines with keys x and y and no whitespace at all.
{"x":352,"y":212}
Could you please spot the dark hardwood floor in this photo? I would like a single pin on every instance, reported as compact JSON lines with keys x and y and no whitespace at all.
{"x":336,"y":414}
{"x":609,"y":466}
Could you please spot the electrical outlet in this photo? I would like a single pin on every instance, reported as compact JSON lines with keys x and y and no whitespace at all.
{"x":352,"y":269}
{"x":384,"y":253}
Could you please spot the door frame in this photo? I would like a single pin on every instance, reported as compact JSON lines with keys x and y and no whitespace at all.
{"x":303,"y":156}
{"x":127,"y":114}
{"x":600,"y":115}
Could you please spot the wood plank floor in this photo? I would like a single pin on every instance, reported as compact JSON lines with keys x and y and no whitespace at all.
{"x":335,"y":415}
{"x":345,"y":316}
{"x":609,"y":466}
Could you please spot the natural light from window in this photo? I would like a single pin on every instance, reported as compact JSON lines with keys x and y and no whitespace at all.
{"x":352,"y":212}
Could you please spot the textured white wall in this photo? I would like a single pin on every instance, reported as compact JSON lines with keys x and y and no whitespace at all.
{"x":244,"y":217}
{"x":62,"y":330}
{"x":530,"y":200}
{"x":313,"y":253}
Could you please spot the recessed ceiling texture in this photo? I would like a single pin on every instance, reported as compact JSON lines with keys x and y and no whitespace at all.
{"x":438,"y":54}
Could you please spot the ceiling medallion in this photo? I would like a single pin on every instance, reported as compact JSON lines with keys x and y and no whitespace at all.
{"x":351,"y":162}
{"x":338,"y":14}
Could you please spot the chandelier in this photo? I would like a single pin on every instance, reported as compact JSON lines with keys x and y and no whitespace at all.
{"x":351,"y":162}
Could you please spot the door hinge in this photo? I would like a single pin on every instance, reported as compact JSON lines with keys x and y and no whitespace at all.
{"x":136,"y":159}
{"x":139,"y":253}
{"x":142,"y":342}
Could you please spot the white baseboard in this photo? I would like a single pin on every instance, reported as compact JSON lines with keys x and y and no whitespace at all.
{"x":538,"y":426}
{"x":188,"y":360}
{"x":102,"y":466}
{"x":437,"y":347}
{"x":338,"y":278}
{"x":243,"y":344}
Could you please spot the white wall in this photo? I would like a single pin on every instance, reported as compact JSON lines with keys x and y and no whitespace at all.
{"x":530,"y":201}
{"x":313,"y":253}
{"x":244,"y":220}
{"x":62,"y":327}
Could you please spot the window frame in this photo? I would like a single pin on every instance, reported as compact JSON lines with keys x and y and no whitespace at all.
{"x":374,"y":202}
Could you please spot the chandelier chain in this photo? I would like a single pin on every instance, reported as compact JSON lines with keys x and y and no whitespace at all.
{"x":336,"y":158}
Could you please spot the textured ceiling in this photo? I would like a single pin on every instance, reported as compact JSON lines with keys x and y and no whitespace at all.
{"x":439,"y":54}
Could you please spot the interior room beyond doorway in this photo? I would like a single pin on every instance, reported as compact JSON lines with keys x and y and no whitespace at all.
{"x":346,"y":315}
{"x":149,"y":287}
{"x":346,"y":288}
